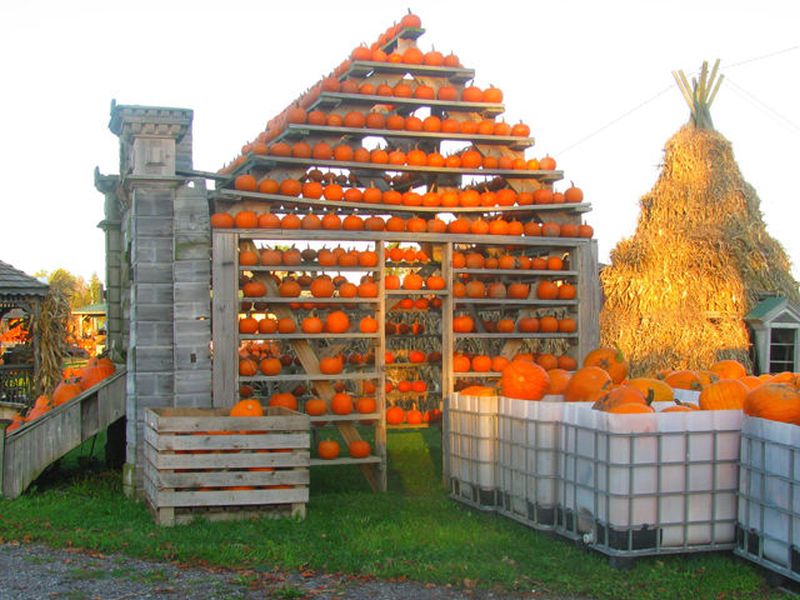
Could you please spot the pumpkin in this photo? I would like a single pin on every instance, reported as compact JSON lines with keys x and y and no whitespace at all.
{"x":559,"y":378}
{"x":65,"y":392}
{"x":609,"y":359}
{"x":414,"y":417}
{"x":222,"y":221}
{"x":286,"y":325}
{"x":629,"y":408}
{"x":655,"y":390}
{"x":270,"y":366}
{"x":359,"y":449}
{"x":328,"y":449}
{"x":728,"y":369}
{"x":725,"y":394}
{"x":684,"y":379}
{"x":461,"y":363}
{"x":342,"y":404}
{"x":249,"y":407}
{"x":284,"y":399}
{"x":774,"y":401}
{"x":395,"y":415}
{"x":478,"y":390}
{"x":331,"y":365}
{"x":524,"y":380}
{"x":366,"y":405}
{"x":623,"y":394}
{"x":546,"y":290}
{"x":337,"y":321}
{"x":586,"y":384}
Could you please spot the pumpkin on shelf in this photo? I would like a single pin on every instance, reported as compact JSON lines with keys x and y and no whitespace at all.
{"x":328,"y":449}
{"x":249,"y":407}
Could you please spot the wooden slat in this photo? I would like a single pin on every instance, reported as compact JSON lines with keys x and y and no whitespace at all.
{"x":363,"y":68}
{"x":517,"y":273}
{"x":507,"y":302}
{"x":190,"y":420}
{"x":301,"y":131}
{"x":268,"y":162}
{"x":230,"y":498}
{"x":515,"y":336}
{"x":405,"y":105}
{"x":315,"y":377}
{"x":164,"y":442}
{"x":310,"y":336}
{"x":351,"y":417}
{"x":225,"y":312}
{"x":308,"y":235}
{"x":369,"y":460}
{"x":588,"y":290}
{"x":241,"y":460}
{"x":228,"y":196}
{"x":198,"y":479}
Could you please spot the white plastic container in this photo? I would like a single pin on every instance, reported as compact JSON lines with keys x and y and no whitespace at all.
{"x":471,"y":449}
{"x":527,"y":466}
{"x":769,"y":495}
{"x":649,"y":483}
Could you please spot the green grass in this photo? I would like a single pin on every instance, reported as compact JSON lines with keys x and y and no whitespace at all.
{"x":413,"y":532}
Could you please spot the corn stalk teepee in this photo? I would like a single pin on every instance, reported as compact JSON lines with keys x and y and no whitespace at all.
{"x":677,"y":291}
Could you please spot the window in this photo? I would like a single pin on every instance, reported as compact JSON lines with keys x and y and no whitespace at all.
{"x":781,"y":350}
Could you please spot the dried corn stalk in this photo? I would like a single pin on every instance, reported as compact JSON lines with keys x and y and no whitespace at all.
{"x":50,"y":331}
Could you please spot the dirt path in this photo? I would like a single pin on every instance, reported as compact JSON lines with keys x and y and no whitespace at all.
{"x":30,"y":571}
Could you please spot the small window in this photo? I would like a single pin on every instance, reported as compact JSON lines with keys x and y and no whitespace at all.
{"x":781,"y":350}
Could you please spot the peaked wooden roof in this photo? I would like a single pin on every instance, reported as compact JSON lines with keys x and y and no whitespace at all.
{"x":15,"y":283}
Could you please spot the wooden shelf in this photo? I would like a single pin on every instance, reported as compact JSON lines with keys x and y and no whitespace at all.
{"x":413,"y":265}
{"x":507,"y":302}
{"x":367,"y":208}
{"x":296,"y":131}
{"x":517,"y":272}
{"x":284,"y":300}
{"x":341,"y":235}
{"x":322,"y":462}
{"x":327,"y":418}
{"x":308,"y":336}
{"x":408,"y":33}
{"x":407,"y":365}
{"x":407,"y":426}
{"x":517,"y":336}
{"x":329,"y":100}
{"x":422,"y":292}
{"x":310,"y":268}
{"x":270,"y":162}
{"x":363,"y":68}
{"x":309,"y":377}
{"x":476,"y":374}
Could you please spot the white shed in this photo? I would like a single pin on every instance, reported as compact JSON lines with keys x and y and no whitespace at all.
{"x":775,"y":324}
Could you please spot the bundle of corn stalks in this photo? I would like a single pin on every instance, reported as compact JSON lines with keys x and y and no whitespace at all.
{"x":50,"y":329}
{"x":676,"y":293}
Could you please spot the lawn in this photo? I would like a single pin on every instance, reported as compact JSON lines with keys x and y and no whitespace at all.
{"x":414,"y":531}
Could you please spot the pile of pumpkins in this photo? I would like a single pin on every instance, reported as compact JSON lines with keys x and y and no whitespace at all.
{"x":74,"y":382}
{"x":603,"y":380}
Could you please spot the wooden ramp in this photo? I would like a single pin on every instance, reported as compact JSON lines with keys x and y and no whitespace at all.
{"x":28,"y":451}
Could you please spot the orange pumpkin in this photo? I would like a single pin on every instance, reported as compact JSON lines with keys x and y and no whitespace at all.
{"x":775,"y":401}
{"x":524,"y":380}
{"x":725,"y":394}
{"x":249,"y":407}
{"x":623,"y":394}
{"x":328,"y":449}
{"x":610,"y":360}
{"x":395,"y":415}
{"x":586,"y":384}
{"x":359,"y":449}
{"x":285,"y":399}
{"x":315,"y":407}
{"x":342,"y":404}
{"x":729,"y":369}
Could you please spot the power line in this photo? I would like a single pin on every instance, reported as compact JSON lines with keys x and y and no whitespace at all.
{"x":614,"y":121}
{"x":666,"y":89}
{"x":764,"y":106}
{"x":762,"y":57}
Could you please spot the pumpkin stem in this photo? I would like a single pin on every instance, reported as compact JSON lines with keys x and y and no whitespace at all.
{"x":651,"y":394}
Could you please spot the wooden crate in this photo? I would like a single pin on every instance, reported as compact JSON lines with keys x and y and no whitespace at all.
{"x":203,"y":463}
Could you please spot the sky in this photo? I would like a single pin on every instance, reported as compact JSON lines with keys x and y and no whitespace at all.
{"x":592,"y":79}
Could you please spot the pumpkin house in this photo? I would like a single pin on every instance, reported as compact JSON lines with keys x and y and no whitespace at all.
{"x":384,"y":241}
{"x":677,"y":292}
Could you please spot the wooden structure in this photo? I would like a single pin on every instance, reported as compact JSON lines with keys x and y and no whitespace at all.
{"x":26,"y":452}
{"x":775,"y":325}
{"x":159,"y":241}
{"x":203,"y":463}
{"x":578,"y":254}
{"x":18,"y":290}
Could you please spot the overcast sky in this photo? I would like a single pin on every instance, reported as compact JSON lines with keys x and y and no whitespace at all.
{"x":593,"y":80}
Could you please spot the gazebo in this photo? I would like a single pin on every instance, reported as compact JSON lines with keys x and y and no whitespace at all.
{"x":18,"y":290}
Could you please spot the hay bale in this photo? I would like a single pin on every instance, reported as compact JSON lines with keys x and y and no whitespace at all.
{"x":677,"y":291}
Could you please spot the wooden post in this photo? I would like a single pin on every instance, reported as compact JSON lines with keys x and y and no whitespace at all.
{"x":225,"y":332}
{"x":589,"y":298}
{"x":380,"y":367}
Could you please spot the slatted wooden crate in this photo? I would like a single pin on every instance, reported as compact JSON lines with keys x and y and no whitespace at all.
{"x":203,"y":463}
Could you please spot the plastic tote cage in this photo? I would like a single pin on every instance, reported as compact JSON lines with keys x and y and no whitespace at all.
{"x":471,"y":449}
{"x":527,"y":460}
{"x":768,"y":531}
{"x":643,"y":484}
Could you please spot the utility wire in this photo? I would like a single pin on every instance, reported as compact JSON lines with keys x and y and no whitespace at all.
{"x":614,"y":121}
{"x":669,"y":87}
{"x":763,"y":106}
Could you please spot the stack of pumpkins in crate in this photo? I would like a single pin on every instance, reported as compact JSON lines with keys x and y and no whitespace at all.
{"x":603,"y":380}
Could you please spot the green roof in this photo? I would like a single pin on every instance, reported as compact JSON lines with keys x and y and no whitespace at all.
{"x":764,"y":308}
{"x":100,"y":308}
